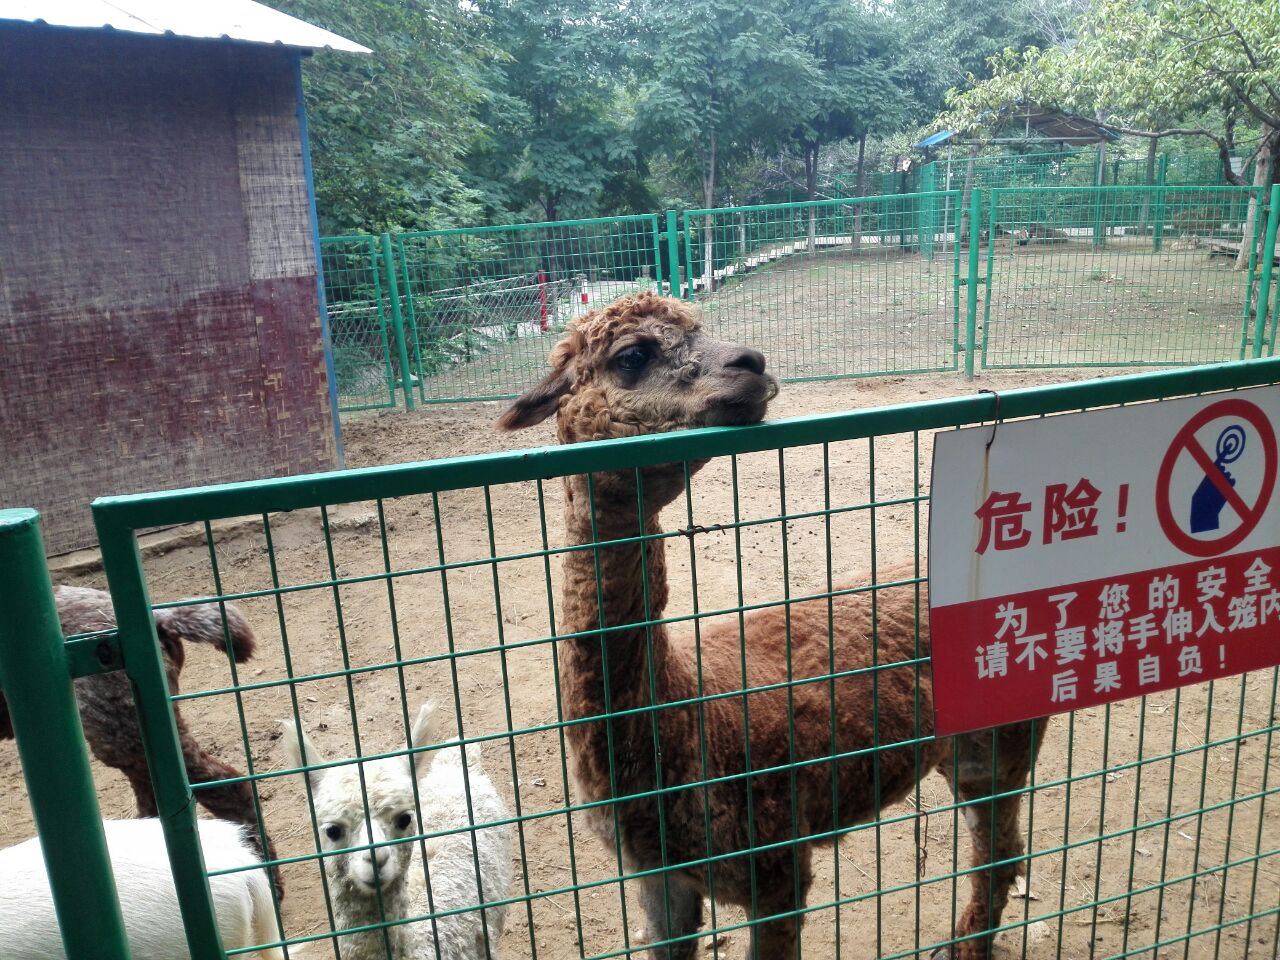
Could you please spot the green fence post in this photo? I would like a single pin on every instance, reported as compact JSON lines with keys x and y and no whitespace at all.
{"x":397,"y":320}
{"x":1268,"y":262}
{"x":971,"y":306}
{"x":657,"y":252}
{"x":928,"y":209}
{"x":46,"y":724}
{"x":175,"y":804}
{"x":1157,"y":226}
{"x":688,"y":260}
{"x":673,"y":255}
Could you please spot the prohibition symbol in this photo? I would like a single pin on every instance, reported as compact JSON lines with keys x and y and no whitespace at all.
{"x":1216,"y":499}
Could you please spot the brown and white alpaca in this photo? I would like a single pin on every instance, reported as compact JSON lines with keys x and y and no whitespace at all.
{"x":110,"y":719}
{"x":640,"y":366}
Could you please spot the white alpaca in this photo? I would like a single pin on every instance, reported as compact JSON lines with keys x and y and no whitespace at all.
{"x":153,"y":925}
{"x":399,"y":882}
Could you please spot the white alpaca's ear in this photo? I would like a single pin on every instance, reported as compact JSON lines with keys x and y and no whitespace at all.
{"x":300,"y":751}
{"x":539,"y":401}
{"x":427,"y":726}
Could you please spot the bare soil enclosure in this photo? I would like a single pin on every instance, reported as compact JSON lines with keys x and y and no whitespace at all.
{"x":1148,"y":823}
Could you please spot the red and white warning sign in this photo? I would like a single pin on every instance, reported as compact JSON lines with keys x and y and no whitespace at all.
{"x":1086,"y":558}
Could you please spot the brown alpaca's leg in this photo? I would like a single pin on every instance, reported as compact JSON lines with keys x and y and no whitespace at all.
{"x":671,"y":909}
{"x":777,"y":896}
{"x":986,"y":763}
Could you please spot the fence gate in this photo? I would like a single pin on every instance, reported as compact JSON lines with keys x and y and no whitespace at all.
{"x":356,"y":304}
{"x":1116,"y":276}
{"x":484,"y":305}
{"x":832,"y":288}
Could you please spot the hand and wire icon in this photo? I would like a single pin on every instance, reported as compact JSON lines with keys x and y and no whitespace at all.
{"x":1208,"y":500}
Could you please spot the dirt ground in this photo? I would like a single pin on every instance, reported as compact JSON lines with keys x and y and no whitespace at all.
{"x":1170,"y":789}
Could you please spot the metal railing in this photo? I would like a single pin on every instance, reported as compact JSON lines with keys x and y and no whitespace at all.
{"x":1145,"y":823}
{"x":1068,"y":276}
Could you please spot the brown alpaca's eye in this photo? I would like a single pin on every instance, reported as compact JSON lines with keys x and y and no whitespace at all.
{"x":334,"y":831}
{"x":633,"y":359}
{"x":404,"y":822}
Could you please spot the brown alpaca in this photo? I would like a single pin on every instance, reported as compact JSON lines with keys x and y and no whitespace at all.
{"x":106,"y":702}
{"x":641,"y":366}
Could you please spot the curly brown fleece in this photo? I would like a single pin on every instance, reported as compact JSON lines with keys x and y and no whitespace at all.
{"x":864,"y":652}
{"x":109,"y":717}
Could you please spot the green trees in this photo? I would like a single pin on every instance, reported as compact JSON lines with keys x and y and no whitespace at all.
{"x":856,"y":88}
{"x":505,"y":110}
{"x":389,"y":132}
{"x":558,"y":129}
{"x":724,"y":76}
{"x":1154,"y":69}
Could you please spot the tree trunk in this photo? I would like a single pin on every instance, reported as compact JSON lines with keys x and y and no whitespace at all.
{"x":1262,"y":177}
{"x":708,"y":225}
{"x":859,"y":189}
{"x":811,"y":190}
{"x":1149,"y":179}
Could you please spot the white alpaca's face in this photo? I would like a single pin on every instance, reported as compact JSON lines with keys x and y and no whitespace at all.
{"x":343,"y":825}
{"x":342,"y":794}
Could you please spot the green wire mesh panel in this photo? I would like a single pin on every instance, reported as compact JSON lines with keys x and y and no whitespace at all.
{"x":1074,"y":168}
{"x":486,"y":304}
{"x":463,"y":583}
{"x":834,"y":288}
{"x":358,"y":328}
{"x":1115,"y":276}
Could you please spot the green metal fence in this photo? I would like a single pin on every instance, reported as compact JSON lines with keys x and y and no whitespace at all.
{"x":1145,"y":823}
{"x":1067,"y":276}
{"x":364,"y":342}
{"x":484,"y":304}
{"x":833,"y":288}
{"x":1117,"y":276}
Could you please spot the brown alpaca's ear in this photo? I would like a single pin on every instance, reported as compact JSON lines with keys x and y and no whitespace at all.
{"x":538,"y":402}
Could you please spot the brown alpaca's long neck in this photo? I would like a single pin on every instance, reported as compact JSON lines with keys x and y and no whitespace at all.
{"x":610,"y":593}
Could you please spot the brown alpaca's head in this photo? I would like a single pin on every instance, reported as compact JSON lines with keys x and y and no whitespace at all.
{"x":643,"y":365}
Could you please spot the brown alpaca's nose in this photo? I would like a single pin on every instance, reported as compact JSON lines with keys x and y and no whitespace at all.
{"x":747,"y":359}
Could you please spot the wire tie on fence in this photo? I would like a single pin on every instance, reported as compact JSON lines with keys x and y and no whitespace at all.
{"x":698,"y":528}
{"x":999,"y":417}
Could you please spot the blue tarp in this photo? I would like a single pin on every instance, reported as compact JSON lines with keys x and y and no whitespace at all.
{"x":942,"y":136}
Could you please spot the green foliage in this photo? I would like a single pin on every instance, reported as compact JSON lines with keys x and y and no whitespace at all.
{"x":725,"y":76}
{"x":558,"y":131}
{"x":855,"y":87}
{"x":514,"y":110}
{"x":389,"y":131}
{"x":1202,"y":67}
{"x":941,"y":44}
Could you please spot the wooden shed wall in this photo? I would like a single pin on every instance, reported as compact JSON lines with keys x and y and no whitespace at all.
{"x":159,"y":323}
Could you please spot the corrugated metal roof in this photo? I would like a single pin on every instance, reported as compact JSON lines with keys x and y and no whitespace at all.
{"x":239,"y":20}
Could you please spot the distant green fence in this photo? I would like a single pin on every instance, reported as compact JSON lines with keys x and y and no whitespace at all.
{"x":484,"y":305}
{"x":1119,"y":276}
{"x":1024,"y":276}
{"x":363,"y":342}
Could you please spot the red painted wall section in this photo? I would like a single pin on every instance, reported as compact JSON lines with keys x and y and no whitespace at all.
{"x":159,"y":324}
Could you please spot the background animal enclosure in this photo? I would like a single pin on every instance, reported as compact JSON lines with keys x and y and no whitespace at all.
{"x":1007,"y":277}
{"x":1149,"y":824}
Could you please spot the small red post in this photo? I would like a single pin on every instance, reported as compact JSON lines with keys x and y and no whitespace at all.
{"x":542,"y":298}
